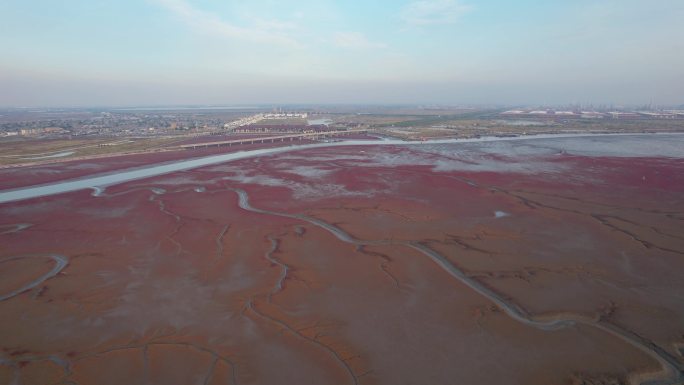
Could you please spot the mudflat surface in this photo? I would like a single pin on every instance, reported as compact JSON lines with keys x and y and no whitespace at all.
{"x":531,"y":262}
{"x":58,"y":170}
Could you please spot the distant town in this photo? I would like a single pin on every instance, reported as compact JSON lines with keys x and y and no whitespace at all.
{"x":582,"y":114}
{"x":84,"y":123}
{"x":69,"y":123}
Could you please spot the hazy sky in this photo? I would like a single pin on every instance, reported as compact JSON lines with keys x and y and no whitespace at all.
{"x":152,"y":52}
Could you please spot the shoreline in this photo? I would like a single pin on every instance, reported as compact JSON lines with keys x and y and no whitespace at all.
{"x":152,"y":170}
{"x":49,"y":161}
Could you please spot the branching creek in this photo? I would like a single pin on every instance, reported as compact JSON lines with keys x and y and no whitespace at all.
{"x":672,"y":370}
{"x":14,"y":228}
{"x":60,"y":263}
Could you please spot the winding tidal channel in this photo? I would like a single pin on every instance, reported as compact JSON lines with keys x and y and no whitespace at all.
{"x":60,"y":263}
{"x":672,"y":371}
{"x":99,"y":181}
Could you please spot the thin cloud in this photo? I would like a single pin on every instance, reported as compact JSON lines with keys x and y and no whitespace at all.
{"x":355,"y":40}
{"x":275,"y":25}
{"x":433,"y":12}
{"x":208,"y":23}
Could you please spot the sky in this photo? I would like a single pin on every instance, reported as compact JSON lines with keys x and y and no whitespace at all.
{"x":238,"y":52}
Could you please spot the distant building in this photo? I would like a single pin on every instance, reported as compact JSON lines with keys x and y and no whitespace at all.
{"x":623,"y":115}
{"x":541,"y":114}
{"x":679,"y":114}
{"x":562,"y":115}
{"x":283,"y":128}
{"x":592,"y":115}
{"x":28,"y":131}
{"x":657,"y":115}
{"x":288,"y":115}
{"x":53,"y":130}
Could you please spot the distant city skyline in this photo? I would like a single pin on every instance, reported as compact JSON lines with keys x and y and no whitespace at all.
{"x":181,"y":52}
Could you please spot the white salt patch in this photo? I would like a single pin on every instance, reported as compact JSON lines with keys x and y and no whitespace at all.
{"x":299,"y":190}
{"x":501,"y":214}
{"x":307,"y":171}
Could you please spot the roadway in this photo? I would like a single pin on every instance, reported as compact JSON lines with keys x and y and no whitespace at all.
{"x":273,"y":139}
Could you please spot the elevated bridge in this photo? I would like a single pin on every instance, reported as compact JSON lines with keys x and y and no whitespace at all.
{"x":273,"y":139}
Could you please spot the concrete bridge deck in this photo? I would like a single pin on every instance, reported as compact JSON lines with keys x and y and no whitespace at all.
{"x":273,"y":139}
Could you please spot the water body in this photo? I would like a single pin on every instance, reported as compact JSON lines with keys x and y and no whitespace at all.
{"x":155,"y":170}
{"x":317,"y":122}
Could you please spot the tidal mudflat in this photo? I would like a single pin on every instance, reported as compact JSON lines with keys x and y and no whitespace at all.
{"x":555,"y":260}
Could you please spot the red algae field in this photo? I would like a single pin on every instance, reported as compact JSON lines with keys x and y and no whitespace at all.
{"x":541,"y":261}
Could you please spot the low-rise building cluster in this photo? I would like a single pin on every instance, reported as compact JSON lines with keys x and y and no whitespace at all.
{"x":552,"y":114}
